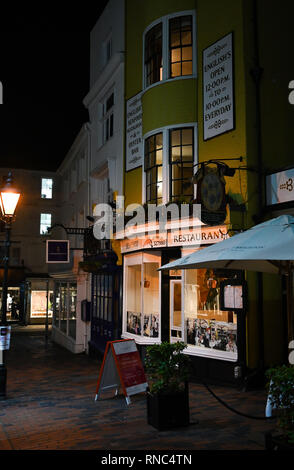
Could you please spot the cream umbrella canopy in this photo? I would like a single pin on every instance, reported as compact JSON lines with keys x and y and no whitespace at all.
{"x":266,"y":247}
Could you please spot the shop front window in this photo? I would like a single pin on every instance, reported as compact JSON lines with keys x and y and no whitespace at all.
{"x":65,"y":308}
{"x":142,"y":296}
{"x":13,"y":303}
{"x":72,"y":294}
{"x":208,"y":329}
{"x":39,"y":303}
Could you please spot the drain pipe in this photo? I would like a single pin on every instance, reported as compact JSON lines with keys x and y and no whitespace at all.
{"x":256,"y":74}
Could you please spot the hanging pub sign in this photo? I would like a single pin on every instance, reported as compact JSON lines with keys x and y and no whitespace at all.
{"x":121,"y":367}
{"x":211,"y":194}
{"x":57,"y":251}
{"x":218,"y":88}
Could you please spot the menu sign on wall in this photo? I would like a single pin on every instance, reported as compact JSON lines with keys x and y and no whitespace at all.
{"x":218,"y":88}
{"x":134,"y":141}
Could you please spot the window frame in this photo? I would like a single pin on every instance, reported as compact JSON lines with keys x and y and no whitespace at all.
{"x":166,"y":50}
{"x":141,"y":258}
{"x":40,"y":225}
{"x":180,"y":162}
{"x":166,"y":167}
{"x":52,"y":184}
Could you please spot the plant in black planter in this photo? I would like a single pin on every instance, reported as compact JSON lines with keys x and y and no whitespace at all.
{"x":168,"y":397}
{"x":281,"y":395}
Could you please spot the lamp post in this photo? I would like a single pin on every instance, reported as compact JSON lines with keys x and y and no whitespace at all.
{"x":9,"y":197}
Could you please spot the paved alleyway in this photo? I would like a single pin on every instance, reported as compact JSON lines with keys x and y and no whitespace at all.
{"x":50,"y":405}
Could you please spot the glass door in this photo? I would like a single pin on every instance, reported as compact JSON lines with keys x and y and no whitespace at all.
{"x":175,"y":311}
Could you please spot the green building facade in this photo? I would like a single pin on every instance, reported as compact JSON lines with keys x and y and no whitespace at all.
{"x":206,"y":91}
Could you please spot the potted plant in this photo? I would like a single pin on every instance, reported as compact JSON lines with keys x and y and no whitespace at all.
{"x":281,"y":396}
{"x":168,"y":395}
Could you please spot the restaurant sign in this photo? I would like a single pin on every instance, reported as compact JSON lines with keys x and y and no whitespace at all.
{"x":181,"y":237}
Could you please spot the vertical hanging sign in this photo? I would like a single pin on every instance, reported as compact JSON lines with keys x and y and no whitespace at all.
{"x":122,"y":367}
{"x":134,"y":142}
{"x":218,"y":88}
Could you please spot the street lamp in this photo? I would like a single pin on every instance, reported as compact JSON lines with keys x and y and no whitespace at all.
{"x":9,"y":197}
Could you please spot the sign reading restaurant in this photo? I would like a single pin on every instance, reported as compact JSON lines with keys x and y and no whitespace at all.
{"x":181,"y":237}
{"x":134,"y":142}
{"x":218,"y":89}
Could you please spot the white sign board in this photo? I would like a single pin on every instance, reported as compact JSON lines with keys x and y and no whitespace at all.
{"x":280,"y":187}
{"x":218,"y":88}
{"x":134,"y":141}
{"x":233,"y":297}
{"x":5,"y":332}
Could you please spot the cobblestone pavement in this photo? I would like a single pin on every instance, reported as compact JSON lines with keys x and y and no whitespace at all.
{"x":50,"y":405}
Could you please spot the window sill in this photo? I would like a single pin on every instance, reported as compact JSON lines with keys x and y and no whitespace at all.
{"x":144,"y":340}
{"x":211,"y":353}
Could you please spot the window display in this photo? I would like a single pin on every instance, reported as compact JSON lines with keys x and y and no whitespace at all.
{"x":39,"y":303}
{"x":142,"y":296}
{"x":206,"y":325}
{"x":65,"y":308}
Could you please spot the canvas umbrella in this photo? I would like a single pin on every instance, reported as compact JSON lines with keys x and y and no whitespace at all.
{"x":266,"y":247}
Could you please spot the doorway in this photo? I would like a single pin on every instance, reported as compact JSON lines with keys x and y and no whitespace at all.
{"x":176,"y":326}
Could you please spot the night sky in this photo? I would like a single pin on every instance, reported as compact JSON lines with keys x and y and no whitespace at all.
{"x":44,"y":69}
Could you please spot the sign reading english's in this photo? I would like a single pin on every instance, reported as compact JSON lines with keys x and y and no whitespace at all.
{"x":218,"y":88}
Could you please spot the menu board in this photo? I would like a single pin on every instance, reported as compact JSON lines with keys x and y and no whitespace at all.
{"x":122,"y":367}
{"x":233,"y":297}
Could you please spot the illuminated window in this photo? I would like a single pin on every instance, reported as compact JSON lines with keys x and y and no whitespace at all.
{"x":170,"y":48}
{"x":45,"y":223}
{"x":181,"y":162}
{"x":153,"y":168}
{"x":208,"y":329}
{"x":46,"y":189}
{"x":142,"y":302}
{"x":153,"y":55}
{"x":180,"y":46}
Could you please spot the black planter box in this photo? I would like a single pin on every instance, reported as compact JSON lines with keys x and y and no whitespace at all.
{"x":278,"y":443}
{"x":166,"y":411}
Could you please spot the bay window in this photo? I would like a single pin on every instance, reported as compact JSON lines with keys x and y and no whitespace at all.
{"x":169,"y":48}
{"x":169,"y":160}
{"x":181,"y":163}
